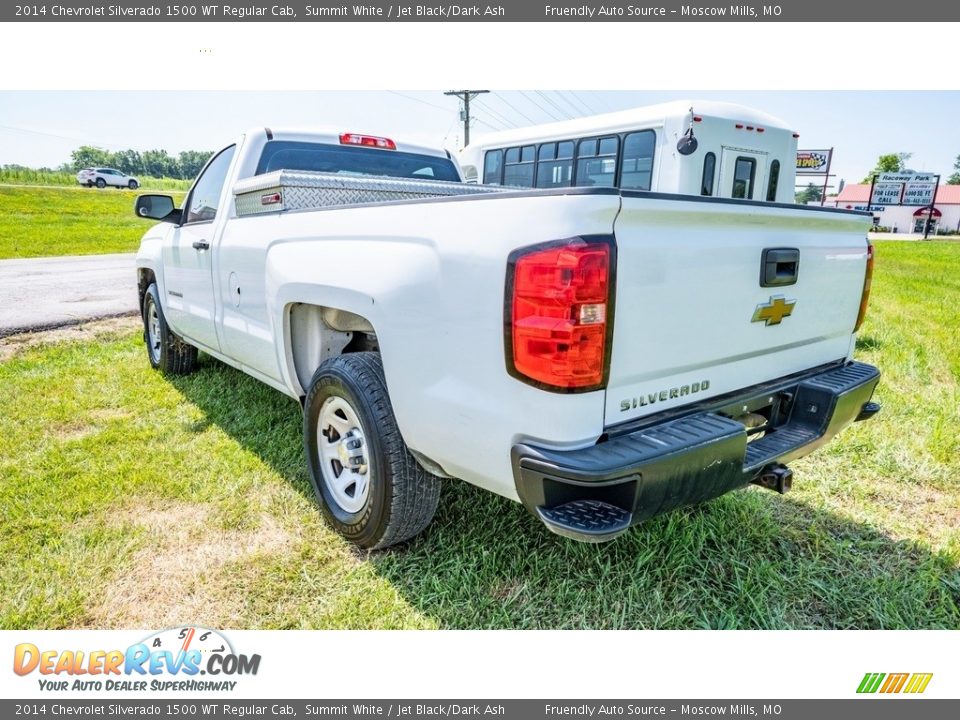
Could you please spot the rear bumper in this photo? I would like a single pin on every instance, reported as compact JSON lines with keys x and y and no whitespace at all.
{"x":596,"y":493}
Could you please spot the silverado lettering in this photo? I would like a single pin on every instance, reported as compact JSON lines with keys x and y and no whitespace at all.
{"x":671,"y":394}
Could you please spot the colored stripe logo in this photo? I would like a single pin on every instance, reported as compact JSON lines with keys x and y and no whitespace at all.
{"x":913,"y":683}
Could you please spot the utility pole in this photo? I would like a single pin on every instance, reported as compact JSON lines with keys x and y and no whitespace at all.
{"x":466,"y":96}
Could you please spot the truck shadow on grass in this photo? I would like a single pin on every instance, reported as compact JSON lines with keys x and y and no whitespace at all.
{"x":747,"y":560}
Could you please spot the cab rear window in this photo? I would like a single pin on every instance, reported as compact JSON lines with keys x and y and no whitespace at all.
{"x":348,"y":160}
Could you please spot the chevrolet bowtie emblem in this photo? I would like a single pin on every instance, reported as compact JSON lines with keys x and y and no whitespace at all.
{"x":775,"y":311}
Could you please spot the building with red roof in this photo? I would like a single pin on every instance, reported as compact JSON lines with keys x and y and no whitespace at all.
{"x":903,"y":218}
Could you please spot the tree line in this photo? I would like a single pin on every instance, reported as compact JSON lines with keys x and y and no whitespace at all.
{"x":152,"y":163}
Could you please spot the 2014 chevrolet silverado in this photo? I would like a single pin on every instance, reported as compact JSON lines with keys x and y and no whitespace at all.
{"x":600,"y":354}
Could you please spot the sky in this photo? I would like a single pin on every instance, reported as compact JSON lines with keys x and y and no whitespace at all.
{"x":41,"y":128}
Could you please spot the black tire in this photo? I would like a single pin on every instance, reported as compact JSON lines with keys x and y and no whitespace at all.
{"x":167,"y":352}
{"x":133,"y":185}
{"x":402,"y":497}
{"x":101,"y":183}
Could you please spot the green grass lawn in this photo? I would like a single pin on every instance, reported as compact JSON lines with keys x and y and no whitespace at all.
{"x":130,"y":500}
{"x":42,"y":221}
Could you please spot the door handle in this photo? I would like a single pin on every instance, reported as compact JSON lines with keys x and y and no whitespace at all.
{"x":201,"y":245}
{"x":779,"y":266}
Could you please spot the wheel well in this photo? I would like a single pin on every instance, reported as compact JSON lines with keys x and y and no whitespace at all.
{"x":318,"y":333}
{"x":145,"y":276}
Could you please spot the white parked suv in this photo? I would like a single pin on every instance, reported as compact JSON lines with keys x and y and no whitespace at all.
{"x":101,"y":177}
{"x":601,"y":355}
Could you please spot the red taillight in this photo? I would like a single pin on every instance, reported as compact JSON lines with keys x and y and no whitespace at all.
{"x":368,"y":141}
{"x":697,"y":118}
{"x":865,"y":295}
{"x":559,"y":314}
{"x":739,"y":126}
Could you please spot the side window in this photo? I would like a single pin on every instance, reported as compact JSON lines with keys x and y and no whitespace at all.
{"x":205,"y":196}
{"x":555,"y":164}
{"x":518,"y":166}
{"x":709,"y":170}
{"x":744,"y":171}
{"x":597,"y":162}
{"x":774,"y":181}
{"x":493,"y":167}
{"x":637,"y":171}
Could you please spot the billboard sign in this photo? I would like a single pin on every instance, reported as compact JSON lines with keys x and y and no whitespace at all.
{"x":904,"y":188}
{"x":813,"y":162}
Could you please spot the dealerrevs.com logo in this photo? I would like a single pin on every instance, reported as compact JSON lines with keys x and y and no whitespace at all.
{"x":168,"y":660}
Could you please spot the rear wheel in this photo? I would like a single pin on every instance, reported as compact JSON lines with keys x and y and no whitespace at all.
{"x":101,"y":183}
{"x":167,"y":352}
{"x":371,"y":489}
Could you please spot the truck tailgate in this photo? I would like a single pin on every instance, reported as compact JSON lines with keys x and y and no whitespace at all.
{"x":692,"y":320}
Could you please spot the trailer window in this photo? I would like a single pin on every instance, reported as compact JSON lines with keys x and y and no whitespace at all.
{"x":637,"y":171}
{"x":518,"y":166}
{"x":353,"y":160}
{"x":555,"y":165}
{"x":709,"y":170}
{"x":774,"y":181}
{"x":744,"y":171}
{"x":597,"y":162}
{"x":493,"y":167}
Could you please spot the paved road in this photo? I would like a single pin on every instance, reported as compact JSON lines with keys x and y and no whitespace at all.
{"x":42,"y":293}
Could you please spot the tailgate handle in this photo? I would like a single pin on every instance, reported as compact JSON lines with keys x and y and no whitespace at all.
{"x":779,"y":266}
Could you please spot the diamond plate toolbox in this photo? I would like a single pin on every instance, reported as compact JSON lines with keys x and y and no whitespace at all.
{"x":298,"y":190}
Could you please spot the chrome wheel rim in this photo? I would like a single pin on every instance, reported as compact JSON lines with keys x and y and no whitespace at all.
{"x":342,"y":448}
{"x":153,"y":331}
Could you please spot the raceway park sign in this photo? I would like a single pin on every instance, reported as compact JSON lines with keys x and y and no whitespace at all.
{"x":904,"y":188}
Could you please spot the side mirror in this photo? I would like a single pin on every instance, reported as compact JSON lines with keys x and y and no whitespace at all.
{"x":157,"y":207}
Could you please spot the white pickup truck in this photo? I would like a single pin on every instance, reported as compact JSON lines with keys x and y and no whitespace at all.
{"x":601,"y":355}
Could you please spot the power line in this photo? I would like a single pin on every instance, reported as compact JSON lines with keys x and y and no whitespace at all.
{"x":550,"y":100}
{"x":489,"y":125}
{"x":416,"y":99}
{"x":515,"y":109}
{"x":572,"y":100}
{"x":539,"y":106}
{"x":60,"y":137}
{"x":585,"y":103}
{"x":499,"y":117}
{"x":577,"y":112}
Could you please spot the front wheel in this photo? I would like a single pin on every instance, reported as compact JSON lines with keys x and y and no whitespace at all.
{"x":167,"y":352}
{"x":371,"y":489}
{"x":132,"y":185}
